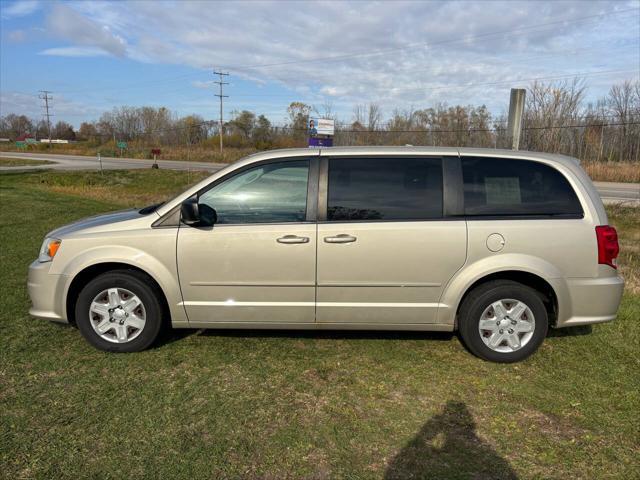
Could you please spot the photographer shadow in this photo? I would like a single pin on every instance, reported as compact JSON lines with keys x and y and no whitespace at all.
{"x":447,"y":446}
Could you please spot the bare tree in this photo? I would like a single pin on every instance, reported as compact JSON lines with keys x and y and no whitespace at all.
{"x":13,"y":126}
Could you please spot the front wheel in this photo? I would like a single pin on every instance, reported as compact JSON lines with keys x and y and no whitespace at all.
{"x":503,"y":321}
{"x":119,"y":311}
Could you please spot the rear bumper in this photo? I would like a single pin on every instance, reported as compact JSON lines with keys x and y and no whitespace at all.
{"x":46,"y":293}
{"x":589,"y":300}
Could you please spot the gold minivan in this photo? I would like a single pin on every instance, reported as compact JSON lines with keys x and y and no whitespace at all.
{"x":497,"y":245}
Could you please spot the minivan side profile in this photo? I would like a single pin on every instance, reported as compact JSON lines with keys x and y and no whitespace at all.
{"x":496,"y":245}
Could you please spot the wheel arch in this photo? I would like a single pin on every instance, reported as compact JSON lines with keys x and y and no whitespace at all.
{"x":536,"y":282}
{"x":528,"y":270}
{"x":81,"y":278}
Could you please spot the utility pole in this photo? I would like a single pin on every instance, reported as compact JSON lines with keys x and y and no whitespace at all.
{"x":516,"y":110}
{"x":221,"y":96}
{"x":44,"y":95}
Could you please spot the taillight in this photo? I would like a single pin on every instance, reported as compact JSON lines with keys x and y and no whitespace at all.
{"x":608,"y":247}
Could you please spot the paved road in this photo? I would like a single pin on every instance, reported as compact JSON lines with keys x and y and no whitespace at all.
{"x":628,"y":193}
{"x":81,"y":162}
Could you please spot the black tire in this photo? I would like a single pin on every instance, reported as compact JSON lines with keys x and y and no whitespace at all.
{"x":139,"y":284}
{"x":482,"y":297}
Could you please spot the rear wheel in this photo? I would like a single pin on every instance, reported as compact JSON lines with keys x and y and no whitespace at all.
{"x":503,"y":321}
{"x":119,"y":311}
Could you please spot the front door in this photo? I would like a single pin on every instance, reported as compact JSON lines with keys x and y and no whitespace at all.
{"x":258,"y":262}
{"x":385,"y":253}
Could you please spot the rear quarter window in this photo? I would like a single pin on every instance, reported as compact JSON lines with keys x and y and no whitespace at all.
{"x":505,"y":187}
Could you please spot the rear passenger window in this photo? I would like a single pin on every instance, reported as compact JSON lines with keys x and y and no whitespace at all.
{"x":502,"y":186}
{"x":384,"y":189}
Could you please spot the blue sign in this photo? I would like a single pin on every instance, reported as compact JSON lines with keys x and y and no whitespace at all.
{"x":320,"y":142}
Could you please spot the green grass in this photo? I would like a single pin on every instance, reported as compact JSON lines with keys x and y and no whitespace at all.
{"x":240,"y":404}
{"x":21,"y":162}
{"x":117,"y":188}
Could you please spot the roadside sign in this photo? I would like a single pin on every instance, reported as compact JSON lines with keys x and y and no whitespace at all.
{"x":122,"y":145}
{"x":21,"y":144}
{"x":155,"y":151}
{"x":321,"y":132}
{"x":321,"y":126}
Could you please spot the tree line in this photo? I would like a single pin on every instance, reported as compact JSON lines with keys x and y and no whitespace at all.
{"x":557,"y":119}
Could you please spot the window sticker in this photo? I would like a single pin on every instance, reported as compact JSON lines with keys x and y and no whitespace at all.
{"x":502,"y":190}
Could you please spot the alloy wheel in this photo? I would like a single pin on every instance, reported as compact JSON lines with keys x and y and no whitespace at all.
{"x":117,"y":315}
{"x":506,"y":325}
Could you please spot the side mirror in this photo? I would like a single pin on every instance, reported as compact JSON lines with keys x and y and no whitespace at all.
{"x":189,"y":211}
{"x":197,"y":215}
{"x":208,"y":215}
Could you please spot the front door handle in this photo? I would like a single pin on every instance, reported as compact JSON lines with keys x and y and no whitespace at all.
{"x":293,"y":239}
{"x":342,"y":238}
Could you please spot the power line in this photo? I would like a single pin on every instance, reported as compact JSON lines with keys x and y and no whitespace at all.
{"x":591,"y":125}
{"x":430,"y":131}
{"x":429,"y":44}
{"x":517,"y":80}
{"x":491,"y":59}
{"x":221,"y":96}
{"x":136,"y":85}
{"x":465,"y":86}
{"x":206,"y":123}
{"x":466,"y":130}
{"x":471,"y":85}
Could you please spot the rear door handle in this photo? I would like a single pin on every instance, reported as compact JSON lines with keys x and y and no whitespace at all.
{"x":342,"y":238}
{"x":293,"y":239}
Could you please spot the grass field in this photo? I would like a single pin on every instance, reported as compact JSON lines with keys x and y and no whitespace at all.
{"x":21,"y":162}
{"x":255,"y":404}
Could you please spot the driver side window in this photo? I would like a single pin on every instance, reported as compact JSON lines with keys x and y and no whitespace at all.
{"x":268,"y":193}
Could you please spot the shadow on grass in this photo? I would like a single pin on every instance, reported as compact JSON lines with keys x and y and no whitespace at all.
{"x":170,"y":335}
{"x":570,"y":331}
{"x":330,"y":334}
{"x":175,"y":334}
{"x":447,"y":446}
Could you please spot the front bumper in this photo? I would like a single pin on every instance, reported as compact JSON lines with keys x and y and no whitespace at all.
{"x":589,"y":300}
{"x":46,"y":291}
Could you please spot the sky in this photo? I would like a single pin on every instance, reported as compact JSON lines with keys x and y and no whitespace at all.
{"x":333,"y":55}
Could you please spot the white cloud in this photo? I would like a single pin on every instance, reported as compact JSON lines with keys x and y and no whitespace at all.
{"x":74,"y":52}
{"x":397,"y":54}
{"x":66,"y":23}
{"x":20,"y":8}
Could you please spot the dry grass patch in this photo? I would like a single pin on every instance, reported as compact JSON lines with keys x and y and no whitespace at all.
{"x":627,"y":222}
{"x":613,"y":171}
{"x":21,"y":162}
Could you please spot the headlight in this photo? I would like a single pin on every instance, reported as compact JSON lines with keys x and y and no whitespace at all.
{"x":49,"y":249}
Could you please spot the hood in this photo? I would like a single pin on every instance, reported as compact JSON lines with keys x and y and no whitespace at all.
{"x":96,"y":221}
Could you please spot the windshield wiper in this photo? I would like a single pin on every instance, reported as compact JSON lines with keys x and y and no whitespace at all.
{"x":150,"y":208}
